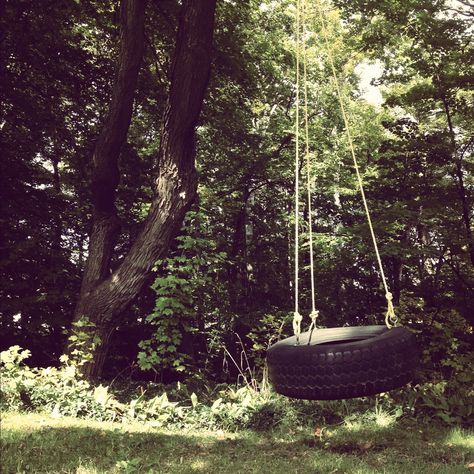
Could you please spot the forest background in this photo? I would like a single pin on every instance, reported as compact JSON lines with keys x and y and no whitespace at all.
{"x":222,"y":284}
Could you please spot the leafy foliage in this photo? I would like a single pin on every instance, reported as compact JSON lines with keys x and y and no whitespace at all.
{"x":226,"y":282}
{"x":189,"y":302}
{"x":82,"y":341}
{"x":63,"y":392}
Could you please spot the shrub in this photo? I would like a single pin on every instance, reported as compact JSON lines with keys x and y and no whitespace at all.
{"x":16,"y":379}
{"x":188,"y":294}
{"x":62,"y":391}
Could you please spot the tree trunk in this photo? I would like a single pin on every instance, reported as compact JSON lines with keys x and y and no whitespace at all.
{"x":466,"y":217}
{"x":105,"y":176}
{"x":57,"y":226}
{"x":237,"y":257}
{"x":104,"y":297}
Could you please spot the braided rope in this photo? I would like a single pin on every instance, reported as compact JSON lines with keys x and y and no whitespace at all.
{"x":297,"y":317}
{"x":390,"y":317}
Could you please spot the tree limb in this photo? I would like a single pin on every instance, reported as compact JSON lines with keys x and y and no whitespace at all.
{"x":105,"y":174}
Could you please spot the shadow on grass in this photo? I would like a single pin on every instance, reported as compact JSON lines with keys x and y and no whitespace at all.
{"x":83,"y":449}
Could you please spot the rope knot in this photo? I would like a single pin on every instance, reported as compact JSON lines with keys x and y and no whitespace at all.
{"x":313,"y":315}
{"x":297,"y":318}
{"x":390,"y":316}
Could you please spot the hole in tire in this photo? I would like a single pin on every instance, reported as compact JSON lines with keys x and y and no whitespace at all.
{"x":343,"y":341}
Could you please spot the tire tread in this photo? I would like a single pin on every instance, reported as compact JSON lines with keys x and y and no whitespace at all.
{"x":328,"y":372}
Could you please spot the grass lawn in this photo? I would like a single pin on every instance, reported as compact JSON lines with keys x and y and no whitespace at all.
{"x":40,"y":443}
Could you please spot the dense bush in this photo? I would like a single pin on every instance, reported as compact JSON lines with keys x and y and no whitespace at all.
{"x":63,"y":392}
{"x":189,"y":304}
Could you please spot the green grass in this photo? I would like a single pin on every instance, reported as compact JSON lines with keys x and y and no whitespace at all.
{"x":42,"y":444}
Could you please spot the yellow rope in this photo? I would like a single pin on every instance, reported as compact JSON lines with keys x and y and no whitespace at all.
{"x":390,"y":317}
{"x":297,"y":317}
{"x":314,"y":313}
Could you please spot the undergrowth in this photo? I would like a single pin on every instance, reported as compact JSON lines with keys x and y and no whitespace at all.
{"x":64,"y":392}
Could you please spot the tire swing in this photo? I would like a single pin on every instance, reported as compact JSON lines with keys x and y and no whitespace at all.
{"x":344,"y":362}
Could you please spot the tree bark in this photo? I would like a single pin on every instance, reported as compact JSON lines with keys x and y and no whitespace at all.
{"x":175,"y":187}
{"x":237,"y":273}
{"x":466,"y":217}
{"x":105,"y":175}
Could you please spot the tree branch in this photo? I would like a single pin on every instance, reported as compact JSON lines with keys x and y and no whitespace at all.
{"x":105,"y":174}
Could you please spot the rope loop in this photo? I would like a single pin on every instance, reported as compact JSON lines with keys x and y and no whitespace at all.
{"x":297,"y":318}
{"x":314,"y":315}
{"x":390,"y":316}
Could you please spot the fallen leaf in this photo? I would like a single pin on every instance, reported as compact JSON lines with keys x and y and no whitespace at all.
{"x":366,"y":445}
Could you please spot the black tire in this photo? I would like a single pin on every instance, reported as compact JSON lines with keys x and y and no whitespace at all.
{"x":341,"y":363}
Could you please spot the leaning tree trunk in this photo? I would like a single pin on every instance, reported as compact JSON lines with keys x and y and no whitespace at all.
{"x":105,"y":176}
{"x":105,"y":296}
